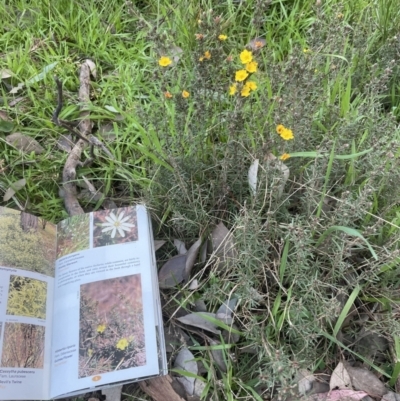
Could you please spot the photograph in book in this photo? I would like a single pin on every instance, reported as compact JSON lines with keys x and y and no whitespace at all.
{"x":117,"y":226}
{"x":27,"y":297}
{"x":111,"y":326}
{"x":26,"y":242}
{"x":23,"y":346}
{"x":73,"y":235}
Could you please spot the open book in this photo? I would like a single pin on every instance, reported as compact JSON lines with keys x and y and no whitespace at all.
{"x":79,"y":303}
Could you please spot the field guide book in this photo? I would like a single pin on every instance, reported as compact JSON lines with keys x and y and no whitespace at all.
{"x":79,"y":303}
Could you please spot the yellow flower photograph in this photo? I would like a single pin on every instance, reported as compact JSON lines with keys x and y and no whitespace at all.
{"x":241,"y":75}
{"x":246,"y":56}
{"x":164,"y":61}
{"x":185,"y":94}
{"x":285,"y":156}
{"x":167,"y":95}
{"x":222,"y":37}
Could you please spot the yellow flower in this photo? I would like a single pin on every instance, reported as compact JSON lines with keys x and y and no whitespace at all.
{"x":101,"y":328}
{"x":246,"y":56}
{"x":232,"y":89}
{"x":90,"y":352}
{"x":164,"y":61}
{"x":285,"y":156}
{"x":122,"y":344}
{"x":340,"y":16}
{"x":199,"y":36}
{"x":207,"y":55}
{"x":251,"y":85}
{"x":287,"y":134}
{"x":252,"y":66}
{"x":306,"y":51}
{"x":185,"y":94}
{"x":258,"y":44}
{"x":222,"y":37}
{"x":167,"y":95}
{"x":201,"y":58}
{"x":280,"y":128}
{"x":241,"y":75}
{"x":245,"y":91}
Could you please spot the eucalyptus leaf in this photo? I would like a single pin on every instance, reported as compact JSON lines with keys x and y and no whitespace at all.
{"x":14,"y":187}
{"x":172,"y":272}
{"x":196,"y":320}
{"x":24,"y":143}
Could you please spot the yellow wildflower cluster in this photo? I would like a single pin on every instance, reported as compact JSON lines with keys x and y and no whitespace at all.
{"x":205,"y":56}
{"x":285,"y":156}
{"x":101,"y":328}
{"x":250,"y":67}
{"x":285,"y":133}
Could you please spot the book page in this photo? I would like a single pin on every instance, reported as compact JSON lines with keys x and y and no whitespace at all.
{"x":27,"y":257}
{"x":104,"y":319}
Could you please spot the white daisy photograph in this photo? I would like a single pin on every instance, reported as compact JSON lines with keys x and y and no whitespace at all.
{"x":114,"y":226}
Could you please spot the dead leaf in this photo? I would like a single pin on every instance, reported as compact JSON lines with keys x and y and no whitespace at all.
{"x":191,"y":257}
{"x":158,"y":244}
{"x":222,"y":243}
{"x":218,"y":356}
{"x":4,"y":74}
{"x":200,"y":306}
{"x":224,"y":313}
{"x":203,"y":251}
{"x":172,"y":272}
{"x":306,"y":380}
{"x":339,"y":395}
{"x":340,"y":378}
{"x":365,"y":380}
{"x":24,"y":143}
{"x":92,"y":67}
{"x":65,"y":143}
{"x":14,"y":187}
{"x":252,"y":176}
{"x":185,"y":361}
{"x":194,"y":285}
{"x":196,"y":320}
{"x":15,"y":101}
{"x":199,"y":386}
{"x":391,"y":396}
{"x":180,"y":246}
{"x":175,"y":337}
{"x":35,"y":78}
{"x":4,"y":116}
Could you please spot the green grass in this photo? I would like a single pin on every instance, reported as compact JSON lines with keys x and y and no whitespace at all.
{"x":310,"y":249}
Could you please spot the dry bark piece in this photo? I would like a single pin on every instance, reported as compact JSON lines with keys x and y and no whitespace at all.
{"x":160,"y":389}
{"x":172,"y":272}
{"x":24,"y":143}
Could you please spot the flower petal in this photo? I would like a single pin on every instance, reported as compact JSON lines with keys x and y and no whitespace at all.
{"x":121,"y":231}
{"x":113,"y":232}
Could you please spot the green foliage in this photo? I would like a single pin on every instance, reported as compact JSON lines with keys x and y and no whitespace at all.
{"x":23,"y":250}
{"x":27,"y":297}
